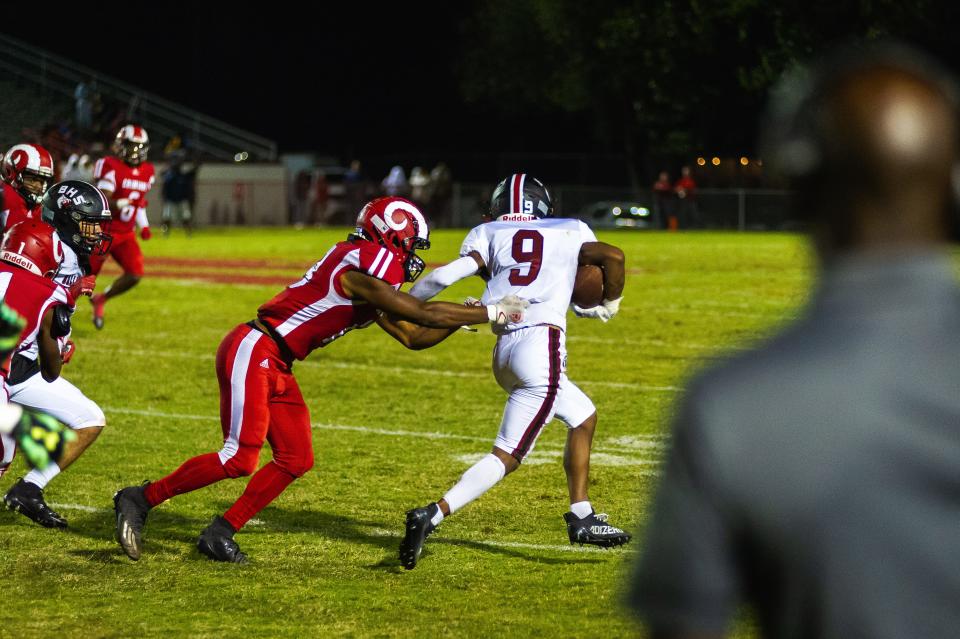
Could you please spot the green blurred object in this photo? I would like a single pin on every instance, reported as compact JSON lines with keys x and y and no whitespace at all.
{"x":41,"y":438}
{"x":11,"y":324}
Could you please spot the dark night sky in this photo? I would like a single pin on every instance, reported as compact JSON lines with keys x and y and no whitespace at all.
{"x":363,"y":81}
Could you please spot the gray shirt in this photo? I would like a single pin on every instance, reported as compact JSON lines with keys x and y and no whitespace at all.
{"x":818,"y":478}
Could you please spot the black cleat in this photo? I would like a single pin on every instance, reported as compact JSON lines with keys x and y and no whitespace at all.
{"x":131,"y":508}
{"x":419,"y":527}
{"x":594,"y":529}
{"x":27,"y":499}
{"x":216,"y":542}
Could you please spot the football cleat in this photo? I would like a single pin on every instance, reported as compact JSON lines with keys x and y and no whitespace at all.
{"x":419,"y":527}
{"x":216,"y":542}
{"x":594,"y":530}
{"x":98,"y":301}
{"x":27,"y":499}
{"x":131,"y":508}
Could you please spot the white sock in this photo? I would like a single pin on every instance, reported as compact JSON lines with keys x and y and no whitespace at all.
{"x":42,"y":477}
{"x":581,"y":509}
{"x":437,"y":517}
{"x":478,"y":479}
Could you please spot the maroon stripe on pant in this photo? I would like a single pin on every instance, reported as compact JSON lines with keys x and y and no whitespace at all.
{"x":533,"y":430}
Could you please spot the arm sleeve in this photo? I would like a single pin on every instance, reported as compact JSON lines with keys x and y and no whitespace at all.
{"x":142,"y":220}
{"x":440,"y":278}
{"x":105,"y":176}
{"x":478,"y":241}
{"x":686,"y":580}
{"x":586,"y":233}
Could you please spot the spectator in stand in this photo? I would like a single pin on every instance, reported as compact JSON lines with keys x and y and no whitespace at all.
{"x":662,"y":201}
{"x":355,"y":184}
{"x":395,"y":184}
{"x":320,"y":199}
{"x":300,"y":199}
{"x":420,"y":187}
{"x":78,"y":167}
{"x":686,"y":190}
{"x":442,"y":192}
{"x":178,"y":191}
{"x":83,"y":96}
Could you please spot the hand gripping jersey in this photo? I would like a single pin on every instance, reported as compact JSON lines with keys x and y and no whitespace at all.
{"x":131,"y":183}
{"x":313,"y":312}
{"x":535,"y":259}
{"x":15,"y":209}
{"x":29,"y":295}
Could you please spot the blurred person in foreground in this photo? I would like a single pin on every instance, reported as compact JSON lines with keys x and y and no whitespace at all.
{"x":817,"y":478}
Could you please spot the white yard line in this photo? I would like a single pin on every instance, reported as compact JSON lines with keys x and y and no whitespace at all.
{"x":378,"y":368}
{"x":619,"y":445}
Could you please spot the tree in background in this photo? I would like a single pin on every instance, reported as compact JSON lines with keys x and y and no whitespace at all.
{"x":666,"y":79}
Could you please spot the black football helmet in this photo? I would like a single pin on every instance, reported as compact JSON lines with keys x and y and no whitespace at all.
{"x":78,"y":210}
{"x":521,"y":193}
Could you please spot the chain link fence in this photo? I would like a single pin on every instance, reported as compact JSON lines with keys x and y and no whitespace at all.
{"x":734,"y":209}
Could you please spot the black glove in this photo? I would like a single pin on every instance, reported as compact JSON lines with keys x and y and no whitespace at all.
{"x":41,"y":438}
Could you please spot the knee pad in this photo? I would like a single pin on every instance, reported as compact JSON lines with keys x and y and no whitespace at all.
{"x":295,"y":465}
{"x":243,"y":463}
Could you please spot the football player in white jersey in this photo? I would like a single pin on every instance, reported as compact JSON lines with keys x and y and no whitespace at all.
{"x":73,"y":211}
{"x":524,"y":251}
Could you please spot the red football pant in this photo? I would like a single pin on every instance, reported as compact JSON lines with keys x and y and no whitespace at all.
{"x":126,"y":251}
{"x":260,"y":400}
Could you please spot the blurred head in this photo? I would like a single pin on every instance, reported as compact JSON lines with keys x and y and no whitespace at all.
{"x":28,"y":168}
{"x":132,"y":144}
{"x":869,"y":143}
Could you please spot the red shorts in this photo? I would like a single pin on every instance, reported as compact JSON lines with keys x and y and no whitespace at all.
{"x":126,"y":251}
{"x":260,"y":400}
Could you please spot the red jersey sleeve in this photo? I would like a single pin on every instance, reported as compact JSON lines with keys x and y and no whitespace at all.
{"x":378,"y":262}
{"x":105,"y":174}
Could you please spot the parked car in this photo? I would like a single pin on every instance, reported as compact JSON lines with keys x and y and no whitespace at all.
{"x":617,"y":214}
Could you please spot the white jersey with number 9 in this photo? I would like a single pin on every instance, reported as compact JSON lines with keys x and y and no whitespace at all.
{"x":535,"y":259}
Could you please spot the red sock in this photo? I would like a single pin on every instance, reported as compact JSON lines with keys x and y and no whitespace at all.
{"x":193,"y":474}
{"x":264,"y":486}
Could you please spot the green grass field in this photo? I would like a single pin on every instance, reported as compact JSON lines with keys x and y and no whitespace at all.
{"x":324,"y":554}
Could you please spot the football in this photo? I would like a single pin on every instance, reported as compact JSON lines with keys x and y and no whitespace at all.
{"x":588,"y":286}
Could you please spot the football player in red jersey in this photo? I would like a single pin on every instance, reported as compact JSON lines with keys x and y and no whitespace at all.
{"x":125,"y":179}
{"x":354,"y":285}
{"x":28,"y":261}
{"x":26,"y":170}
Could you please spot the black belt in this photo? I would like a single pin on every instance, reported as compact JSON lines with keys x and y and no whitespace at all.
{"x":21,"y":369}
{"x":266,"y":329}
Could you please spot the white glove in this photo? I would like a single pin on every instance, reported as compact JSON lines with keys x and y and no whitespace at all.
{"x":508,"y":310}
{"x":604,"y":312}
{"x":123,"y":203}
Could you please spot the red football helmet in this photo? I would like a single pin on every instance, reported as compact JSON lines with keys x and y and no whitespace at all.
{"x":398,"y":225}
{"x":132,"y":144}
{"x":30,"y":245}
{"x":28,"y":168}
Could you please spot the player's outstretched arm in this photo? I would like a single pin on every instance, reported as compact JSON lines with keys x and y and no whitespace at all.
{"x":360,"y":286}
{"x":440,"y":278}
{"x":413,"y":336}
